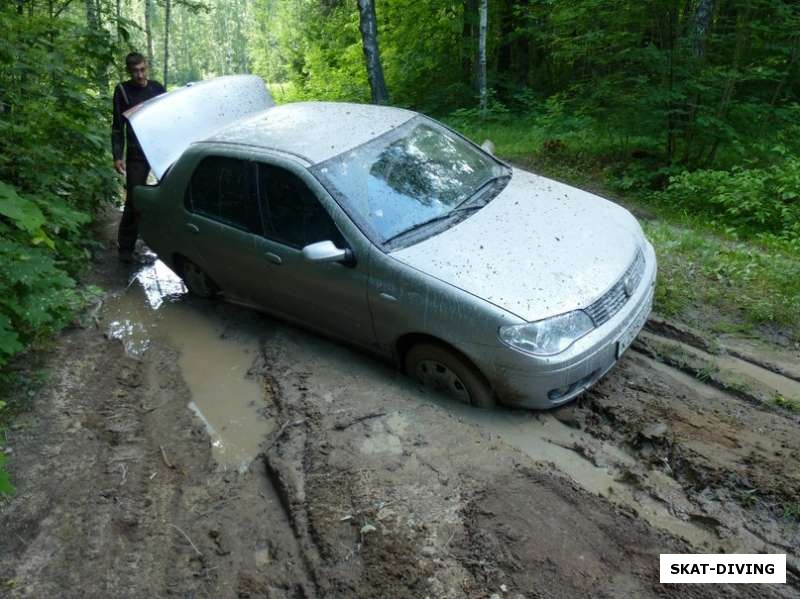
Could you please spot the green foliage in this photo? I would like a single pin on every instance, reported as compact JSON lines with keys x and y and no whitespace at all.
{"x":792,"y":510}
{"x":708,"y":278}
{"x":787,"y":403}
{"x":54,"y":168}
{"x":744,"y":199}
{"x":6,"y":488}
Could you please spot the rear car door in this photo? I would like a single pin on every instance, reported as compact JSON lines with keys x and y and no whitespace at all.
{"x":224,"y":219}
{"x":330,"y":297}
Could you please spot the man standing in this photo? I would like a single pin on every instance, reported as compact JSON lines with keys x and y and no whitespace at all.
{"x":135,"y":168}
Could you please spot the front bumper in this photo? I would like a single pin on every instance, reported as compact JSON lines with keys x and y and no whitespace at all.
{"x":521,"y":380}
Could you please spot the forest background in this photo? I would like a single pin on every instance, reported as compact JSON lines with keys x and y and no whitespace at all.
{"x":686,"y":111}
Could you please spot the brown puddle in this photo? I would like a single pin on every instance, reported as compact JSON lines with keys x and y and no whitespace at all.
{"x":544,"y":438}
{"x":214,"y":358}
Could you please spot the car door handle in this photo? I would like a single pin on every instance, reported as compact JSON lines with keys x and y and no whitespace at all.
{"x":192,"y":228}
{"x":274,"y":258}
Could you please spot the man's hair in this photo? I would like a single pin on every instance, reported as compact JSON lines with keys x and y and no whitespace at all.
{"x":134,"y":58}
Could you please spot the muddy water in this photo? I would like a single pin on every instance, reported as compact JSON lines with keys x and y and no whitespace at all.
{"x":597,"y":466}
{"x":215,"y":358}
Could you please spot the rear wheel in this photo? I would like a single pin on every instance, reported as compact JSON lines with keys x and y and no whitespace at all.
{"x":197,"y":281}
{"x":442,"y":369}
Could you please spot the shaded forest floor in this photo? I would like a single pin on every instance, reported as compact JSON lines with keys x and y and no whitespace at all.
{"x":362,"y":485}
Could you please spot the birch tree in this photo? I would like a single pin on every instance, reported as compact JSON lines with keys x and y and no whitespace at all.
{"x":702,"y":20}
{"x":148,"y":29}
{"x":167,"y":15}
{"x":483,"y":10}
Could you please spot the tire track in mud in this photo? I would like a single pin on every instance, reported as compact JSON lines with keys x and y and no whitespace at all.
{"x":396,"y":489}
{"x":735,"y":460}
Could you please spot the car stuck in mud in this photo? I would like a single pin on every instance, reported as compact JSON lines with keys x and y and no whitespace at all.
{"x":381,"y":227}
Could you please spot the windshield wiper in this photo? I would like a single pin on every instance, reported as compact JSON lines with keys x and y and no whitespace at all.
{"x":463,"y":206}
{"x":491,"y":182}
{"x":435,"y":219}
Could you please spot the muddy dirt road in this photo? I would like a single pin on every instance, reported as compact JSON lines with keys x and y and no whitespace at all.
{"x":194,"y":449}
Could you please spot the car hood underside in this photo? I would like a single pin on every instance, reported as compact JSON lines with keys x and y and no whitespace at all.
{"x":539,"y":249}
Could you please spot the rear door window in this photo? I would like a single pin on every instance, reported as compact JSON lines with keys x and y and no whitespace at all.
{"x":292,"y":213}
{"x":223,"y":189}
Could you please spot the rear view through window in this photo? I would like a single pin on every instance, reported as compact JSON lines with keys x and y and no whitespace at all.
{"x":222,"y":189}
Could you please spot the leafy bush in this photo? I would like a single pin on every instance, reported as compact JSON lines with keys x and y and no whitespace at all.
{"x":749,"y":200}
{"x":54,"y":168}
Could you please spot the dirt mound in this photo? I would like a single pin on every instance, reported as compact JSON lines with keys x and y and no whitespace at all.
{"x":540,"y":535}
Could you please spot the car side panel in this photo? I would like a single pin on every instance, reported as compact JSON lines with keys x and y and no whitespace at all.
{"x":329,"y":298}
{"x":163,"y":217}
{"x":406,"y":301}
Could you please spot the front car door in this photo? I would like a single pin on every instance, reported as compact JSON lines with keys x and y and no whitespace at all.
{"x":330,"y":297}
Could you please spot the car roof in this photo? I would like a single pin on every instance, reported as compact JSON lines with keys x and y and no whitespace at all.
{"x":314,"y":131}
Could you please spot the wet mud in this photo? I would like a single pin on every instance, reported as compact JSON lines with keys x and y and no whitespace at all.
{"x":199,"y":449}
{"x":217,"y":357}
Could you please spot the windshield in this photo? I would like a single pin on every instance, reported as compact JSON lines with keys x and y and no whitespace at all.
{"x":412,"y":175}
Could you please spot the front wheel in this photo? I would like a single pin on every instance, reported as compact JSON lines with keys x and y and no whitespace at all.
{"x":197,"y":281}
{"x":444,"y":370}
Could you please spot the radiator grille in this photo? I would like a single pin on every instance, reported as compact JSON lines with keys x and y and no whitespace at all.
{"x":612,"y":301}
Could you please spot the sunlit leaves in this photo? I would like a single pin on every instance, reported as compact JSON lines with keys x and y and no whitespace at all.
{"x":54,"y":168}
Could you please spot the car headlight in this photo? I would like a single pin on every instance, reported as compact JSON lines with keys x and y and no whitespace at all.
{"x":549,"y":336}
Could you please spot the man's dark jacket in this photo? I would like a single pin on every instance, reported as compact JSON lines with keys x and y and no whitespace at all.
{"x":126,"y":96}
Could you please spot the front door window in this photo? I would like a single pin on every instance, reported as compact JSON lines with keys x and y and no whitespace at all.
{"x":293,"y":215}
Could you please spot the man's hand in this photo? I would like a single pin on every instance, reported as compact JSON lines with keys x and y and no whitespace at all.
{"x":119,"y":166}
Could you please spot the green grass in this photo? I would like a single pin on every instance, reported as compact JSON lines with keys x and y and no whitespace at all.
{"x":738,"y":284}
{"x":793,"y":405}
{"x":792,"y":510}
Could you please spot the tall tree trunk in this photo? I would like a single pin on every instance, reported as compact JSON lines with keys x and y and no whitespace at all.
{"x":148,"y":28}
{"x":91,"y":15}
{"x":167,"y":15}
{"x":369,"y":36}
{"x":119,"y":16}
{"x":505,"y":54}
{"x":483,"y":11}
{"x":93,"y":21}
{"x":468,"y":52}
{"x":702,"y":20}
{"x":523,"y":45}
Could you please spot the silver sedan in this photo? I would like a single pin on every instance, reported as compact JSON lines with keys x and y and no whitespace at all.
{"x":383,"y":228}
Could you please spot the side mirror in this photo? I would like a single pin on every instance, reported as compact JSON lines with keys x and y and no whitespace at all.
{"x":326,"y":251}
{"x":488,"y":146}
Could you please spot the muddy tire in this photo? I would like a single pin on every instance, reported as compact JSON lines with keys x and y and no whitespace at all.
{"x":197,"y":281}
{"x":442,"y":369}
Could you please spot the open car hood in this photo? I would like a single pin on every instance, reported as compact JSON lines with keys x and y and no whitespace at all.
{"x":167,"y":124}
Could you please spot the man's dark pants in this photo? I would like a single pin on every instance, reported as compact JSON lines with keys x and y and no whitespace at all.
{"x":136,"y":174}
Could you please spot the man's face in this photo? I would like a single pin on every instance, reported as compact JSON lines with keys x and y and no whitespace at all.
{"x":139,"y":73}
